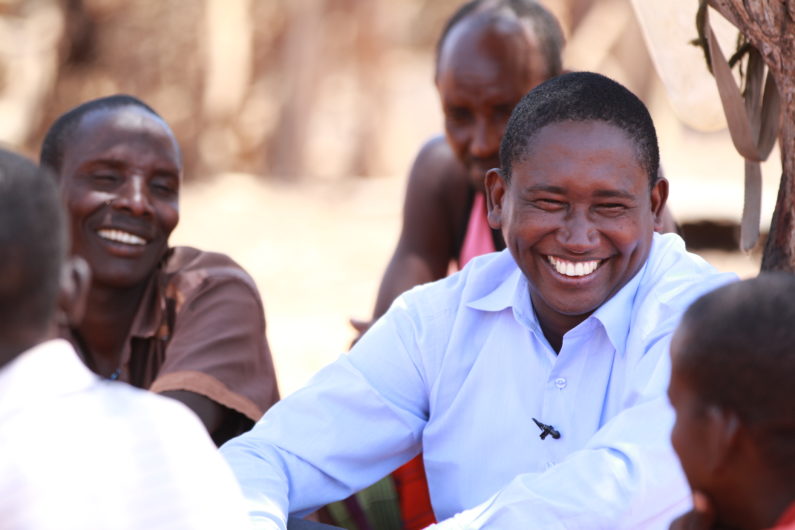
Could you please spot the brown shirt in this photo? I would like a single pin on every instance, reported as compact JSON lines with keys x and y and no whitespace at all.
{"x":200,"y":327}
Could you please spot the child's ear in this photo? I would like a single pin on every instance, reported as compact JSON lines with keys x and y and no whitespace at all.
{"x":496,"y":189}
{"x":73,"y":293}
{"x":724,"y":428}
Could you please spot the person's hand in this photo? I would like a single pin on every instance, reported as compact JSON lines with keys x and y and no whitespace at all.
{"x":701,"y":517}
{"x":361,"y":326}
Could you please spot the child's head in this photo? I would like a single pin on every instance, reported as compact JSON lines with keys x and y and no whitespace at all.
{"x":733,"y":389}
{"x":32,"y":251}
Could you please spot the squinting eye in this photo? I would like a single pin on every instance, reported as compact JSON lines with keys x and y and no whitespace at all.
{"x":164,"y":188}
{"x":458,"y":114}
{"x":104,"y":178}
{"x":549,"y":204}
{"x":612,"y":209}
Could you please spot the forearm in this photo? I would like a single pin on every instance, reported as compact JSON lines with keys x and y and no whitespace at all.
{"x":262,"y":480}
{"x":328,"y":440}
{"x":209,"y":412}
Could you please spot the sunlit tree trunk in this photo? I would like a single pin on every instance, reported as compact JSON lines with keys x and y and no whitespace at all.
{"x":770,"y":27}
{"x":302,"y":71}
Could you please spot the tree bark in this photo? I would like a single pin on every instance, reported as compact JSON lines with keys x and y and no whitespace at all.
{"x":770,"y":28}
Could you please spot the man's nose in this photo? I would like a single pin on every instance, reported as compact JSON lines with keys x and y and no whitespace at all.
{"x":578,"y":233}
{"x":134,"y":197}
{"x":485,"y":139}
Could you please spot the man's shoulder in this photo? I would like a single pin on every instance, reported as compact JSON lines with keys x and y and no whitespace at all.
{"x":672,"y":279}
{"x":483,"y":276}
{"x":153,"y":444}
{"x":672,"y":271}
{"x":184,"y":259}
{"x":187,"y":268}
{"x":437,"y":164}
{"x":51,"y":381}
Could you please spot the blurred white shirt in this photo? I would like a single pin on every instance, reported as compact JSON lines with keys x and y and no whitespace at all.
{"x":78,"y":452}
{"x":458,"y":369}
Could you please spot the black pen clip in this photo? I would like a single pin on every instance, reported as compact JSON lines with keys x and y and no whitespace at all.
{"x":547,"y":430}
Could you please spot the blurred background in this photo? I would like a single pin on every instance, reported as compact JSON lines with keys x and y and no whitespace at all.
{"x":299,"y":119}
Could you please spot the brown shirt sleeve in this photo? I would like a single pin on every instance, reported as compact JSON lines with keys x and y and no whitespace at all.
{"x":218,"y":346}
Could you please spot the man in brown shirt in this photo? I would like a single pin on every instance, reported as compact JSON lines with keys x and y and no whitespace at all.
{"x":181,"y":322}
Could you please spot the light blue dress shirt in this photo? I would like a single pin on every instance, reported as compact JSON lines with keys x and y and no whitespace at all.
{"x":458,"y":369}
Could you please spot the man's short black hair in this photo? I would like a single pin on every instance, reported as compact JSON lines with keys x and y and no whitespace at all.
{"x":580,"y":96}
{"x":737,"y":351}
{"x":52,"y":149}
{"x":32,"y":244}
{"x":543,"y":23}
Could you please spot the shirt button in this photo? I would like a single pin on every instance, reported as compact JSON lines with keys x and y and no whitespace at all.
{"x":560,"y":382}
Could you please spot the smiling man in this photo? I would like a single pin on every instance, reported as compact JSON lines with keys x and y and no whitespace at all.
{"x":76,"y":452}
{"x":534,"y":380}
{"x":178,"y":321}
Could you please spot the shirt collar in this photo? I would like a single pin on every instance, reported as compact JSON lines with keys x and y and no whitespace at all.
{"x":614,"y":314}
{"x":513,"y":292}
{"x":150,"y":316}
{"x":503,"y":295}
{"x":151,"y":309}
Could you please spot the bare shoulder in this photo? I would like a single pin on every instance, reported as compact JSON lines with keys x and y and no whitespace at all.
{"x":437,"y":203}
{"x":434,"y":219}
{"x":437,"y":168}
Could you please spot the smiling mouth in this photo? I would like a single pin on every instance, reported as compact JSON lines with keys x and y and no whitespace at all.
{"x":120,"y":236}
{"x":573,"y":269}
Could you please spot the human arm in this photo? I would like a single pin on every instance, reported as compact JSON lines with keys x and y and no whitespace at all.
{"x":434,"y":215}
{"x":217,"y":359}
{"x":209,"y":412}
{"x":356,"y":421}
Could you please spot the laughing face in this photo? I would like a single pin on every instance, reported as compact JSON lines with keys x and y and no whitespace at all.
{"x":120,"y":178}
{"x":577,"y":215}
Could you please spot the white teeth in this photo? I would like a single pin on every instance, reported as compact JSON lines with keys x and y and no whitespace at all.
{"x":570,"y":268}
{"x":121,"y":237}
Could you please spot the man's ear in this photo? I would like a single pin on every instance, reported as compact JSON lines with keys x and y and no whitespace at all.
{"x":73,"y":294}
{"x":496,"y":189}
{"x":659,"y":198}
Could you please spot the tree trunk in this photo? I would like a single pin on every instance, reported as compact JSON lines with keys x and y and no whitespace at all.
{"x":780,"y":247}
{"x":770,"y":27}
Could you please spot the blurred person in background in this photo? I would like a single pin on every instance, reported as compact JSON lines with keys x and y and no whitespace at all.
{"x":178,"y":321}
{"x":733,"y":367}
{"x":78,"y":452}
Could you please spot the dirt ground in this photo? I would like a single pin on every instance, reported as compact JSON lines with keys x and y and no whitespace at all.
{"x":317,"y":251}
